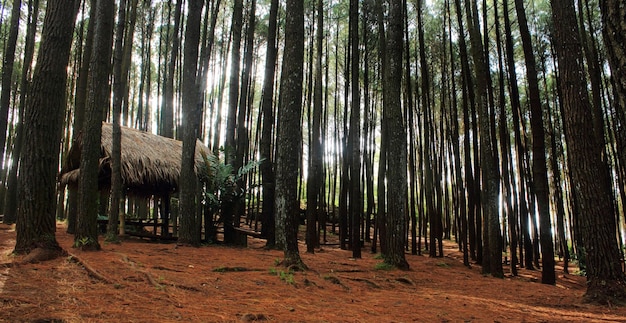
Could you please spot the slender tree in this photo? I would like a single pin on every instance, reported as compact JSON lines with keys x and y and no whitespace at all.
{"x":192,"y":108}
{"x":86,"y":236}
{"x":7,"y":71}
{"x":166,"y":127}
{"x":10,"y":206}
{"x":43,"y":117}
{"x":396,"y":220}
{"x":116,"y":145}
{"x":354,"y":144}
{"x":315,"y":177}
{"x":265,"y":149}
{"x":540,"y":171}
{"x":290,"y":135}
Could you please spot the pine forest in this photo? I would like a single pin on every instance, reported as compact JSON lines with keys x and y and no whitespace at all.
{"x":489,"y":136}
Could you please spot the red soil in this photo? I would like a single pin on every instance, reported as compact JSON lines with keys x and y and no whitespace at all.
{"x":143,"y":281}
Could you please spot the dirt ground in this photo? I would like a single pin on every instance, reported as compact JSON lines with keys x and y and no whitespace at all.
{"x":143,"y":281}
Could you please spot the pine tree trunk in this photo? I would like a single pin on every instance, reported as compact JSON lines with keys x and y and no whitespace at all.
{"x":7,"y":71}
{"x":356,"y":201}
{"x":539,"y":168}
{"x":116,"y":150}
{"x":10,"y":206}
{"x":396,"y":220}
{"x":315,"y":174}
{"x":289,"y":135}
{"x":188,"y":183}
{"x":86,"y":236}
{"x":266,"y":167}
{"x":605,"y":278}
{"x":166,"y":128}
{"x":43,"y":125}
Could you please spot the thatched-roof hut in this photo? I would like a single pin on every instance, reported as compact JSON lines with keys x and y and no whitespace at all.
{"x":150,"y":163}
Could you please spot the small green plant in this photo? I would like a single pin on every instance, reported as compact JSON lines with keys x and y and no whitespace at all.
{"x":277,"y":261}
{"x":379,"y":256}
{"x":223,"y":269}
{"x":286,"y":276}
{"x":85,"y":242}
{"x":443,"y":264}
{"x":383,"y":266}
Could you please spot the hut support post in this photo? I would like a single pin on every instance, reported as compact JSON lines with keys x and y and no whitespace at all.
{"x":165,"y":215}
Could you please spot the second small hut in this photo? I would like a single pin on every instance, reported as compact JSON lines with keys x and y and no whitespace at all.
{"x":150,"y":170}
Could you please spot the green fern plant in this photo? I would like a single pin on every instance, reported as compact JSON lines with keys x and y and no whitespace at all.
{"x":220,"y":180}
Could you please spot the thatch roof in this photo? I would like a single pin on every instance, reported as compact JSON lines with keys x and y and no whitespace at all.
{"x":150,"y":163}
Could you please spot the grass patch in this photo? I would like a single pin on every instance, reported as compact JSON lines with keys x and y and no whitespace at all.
{"x":223,"y":269}
{"x":383,"y":266}
{"x":286,"y":276}
{"x":443,"y":265}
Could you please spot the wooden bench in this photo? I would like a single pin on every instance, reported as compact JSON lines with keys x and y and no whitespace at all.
{"x":241,"y":236}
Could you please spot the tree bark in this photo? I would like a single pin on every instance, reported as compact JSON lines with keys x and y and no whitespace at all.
{"x":605,"y":278}
{"x":86,"y":236}
{"x":43,"y":117}
{"x":290,"y":135}
{"x":192,"y":107}
{"x":7,"y":70}
{"x":265,"y":149}
{"x":166,"y":128}
{"x":539,"y":168}
{"x":10,"y":206}
{"x":116,"y":150}
{"x":396,"y":220}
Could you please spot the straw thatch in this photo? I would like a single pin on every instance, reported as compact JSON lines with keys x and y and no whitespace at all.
{"x":150,"y":163}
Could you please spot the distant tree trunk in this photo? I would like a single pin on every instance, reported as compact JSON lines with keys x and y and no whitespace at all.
{"x":410,"y":112}
{"x":43,"y":117}
{"x":265,"y":149}
{"x":10,"y":206}
{"x":166,"y":128}
{"x":7,"y":71}
{"x":557,"y":157}
{"x":116,"y":145}
{"x":492,"y":255}
{"x":230,"y":146}
{"x":315,"y":177}
{"x":128,"y":44}
{"x":381,"y":211}
{"x":520,"y":151}
{"x":86,"y":236}
{"x":290,"y":135}
{"x":242,"y":143}
{"x":456,"y":134}
{"x":397,"y":190}
{"x":356,"y":201}
{"x":605,"y":278}
{"x":80,"y":103}
{"x":505,"y":148}
{"x":540,"y":171}
{"x":233,"y":94}
{"x":467,"y":99}
{"x":192,"y":107}
{"x":434,"y":217}
{"x":368,"y":127}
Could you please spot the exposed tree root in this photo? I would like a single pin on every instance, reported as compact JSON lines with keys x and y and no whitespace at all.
{"x":90,"y":270}
{"x":43,"y":254}
{"x":366,"y":281}
{"x":150,"y":279}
